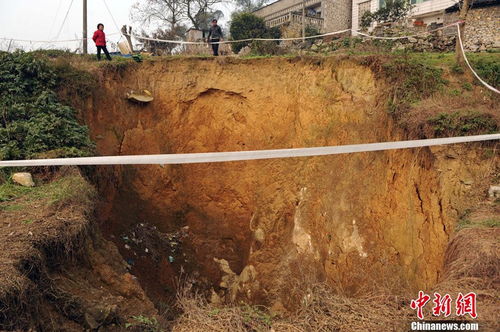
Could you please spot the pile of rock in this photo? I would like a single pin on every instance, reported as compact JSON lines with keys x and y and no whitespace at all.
{"x":422,"y":43}
{"x":427,"y":43}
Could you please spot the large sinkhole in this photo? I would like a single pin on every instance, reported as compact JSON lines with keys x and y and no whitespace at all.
{"x":245,"y":229}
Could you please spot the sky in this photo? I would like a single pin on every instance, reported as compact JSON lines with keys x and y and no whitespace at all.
{"x":42,"y":20}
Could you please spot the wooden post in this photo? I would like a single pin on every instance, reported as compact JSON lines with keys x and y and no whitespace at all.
{"x":127,"y":35}
{"x":85,"y":44}
{"x":462,"y":16}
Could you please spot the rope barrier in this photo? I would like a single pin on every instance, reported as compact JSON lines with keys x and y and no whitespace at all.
{"x":468,"y":64}
{"x":244,"y":40}
{"x":295,"y":38}
{"x":290,"y":39}
{"x":213,"y":157}
{"x":182,"y":42}
{"x":457,"y":24}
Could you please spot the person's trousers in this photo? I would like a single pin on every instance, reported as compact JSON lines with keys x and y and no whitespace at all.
{"x":215,"y":47}
{"x":102,"y":48}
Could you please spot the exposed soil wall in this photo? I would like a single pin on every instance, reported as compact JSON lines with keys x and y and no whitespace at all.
{"x":358,"y":221}
{"x":57,"y":271}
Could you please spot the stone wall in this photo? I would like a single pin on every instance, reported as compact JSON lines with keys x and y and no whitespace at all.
{"x":482,"y":28}
{"x":337,"y":14}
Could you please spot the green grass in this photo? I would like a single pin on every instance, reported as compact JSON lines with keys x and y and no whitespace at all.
{"x":10,"y":191}
{"x":462,"y":123}
{"x":13,"y":207}
{"x":487,"y":65}
{"x":435,"y":59}
{"x":118,"y":64}
{"x":487,"y":223}
{"x":66,"y":190}
{"x":411,"y":80}
{"x":144,"y":324}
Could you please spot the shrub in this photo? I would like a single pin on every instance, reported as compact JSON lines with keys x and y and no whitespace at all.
{"x":457,"y":69}
{"x":391,"y":11}
{"x":80,"y":82}
{"x":467,"y":86}
{"x":312,"y":30}
{"x":463,"y":123}
{"x":144,"y":324}
{"x":33,"y":121}
{"x":488,"y":69}
{"x":411,"y":81}
{"x":246,"y":26}
{"x":54,"y":53}
{"x":366,"y":19}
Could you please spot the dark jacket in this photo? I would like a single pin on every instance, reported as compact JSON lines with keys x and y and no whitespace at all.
{"x":215,"y":32}
{"x":99,"y":38}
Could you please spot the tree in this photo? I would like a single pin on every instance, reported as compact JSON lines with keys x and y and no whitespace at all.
{"x":246,"y":26}
{"x":33,"y":120}
{"x":391,"y":11}
{"x":464,"y":9}
{"x":158,"y":12}
{"x":201,"y":12}
{"x":197,"y":13}
{"x":162,"y":48}
{"x":248,"y":6}
{"x":168,"y":18}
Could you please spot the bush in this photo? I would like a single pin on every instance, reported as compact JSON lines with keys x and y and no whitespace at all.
{"x":411,"y":80}
{"x":488,"y":69}
{"x":392,"y":11}
{"x":246,"y":26}
{"x":33,"y":121}
{"x":463,"y":123}
{"x":260,"y":47}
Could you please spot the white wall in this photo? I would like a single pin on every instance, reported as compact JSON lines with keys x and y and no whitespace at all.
{"x":430,"y":8}
{"x":355,"y":14}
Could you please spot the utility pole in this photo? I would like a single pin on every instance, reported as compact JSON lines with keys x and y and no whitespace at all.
{"x":303,"y":20}
{"x":85,"y":50}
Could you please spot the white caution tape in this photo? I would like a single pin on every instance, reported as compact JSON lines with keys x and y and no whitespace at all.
{"x":182,"y":42}
{"x":214,"y":157}
{"x":468,"y":64}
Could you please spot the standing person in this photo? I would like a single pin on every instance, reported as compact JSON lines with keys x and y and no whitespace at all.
{"x":99,"y":39}
{"x":214,"y":36}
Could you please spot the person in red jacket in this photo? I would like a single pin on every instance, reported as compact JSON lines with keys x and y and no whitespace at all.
{"x":99,"y":39}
